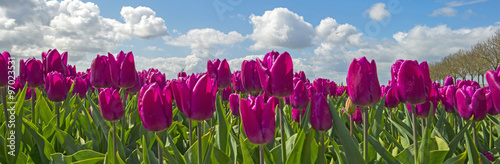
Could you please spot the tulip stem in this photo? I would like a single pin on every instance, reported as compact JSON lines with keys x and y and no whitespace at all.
{"x":190,"y":133}
{"x":33,"y":100}
{"x":351,"y":126}
{"x":365,"y":133}
{"x":114,"y":142}
{"x":3,"y":92}
{"x":322,"y":138}
{"x":282,"y":128}
{"x":474,"y":137}
{"x":423,"y":125}
{"x":490,"y":140}
{"x":160,"y":157}
{"x":58,"y":105}
{"x":123,"y":119}
{"x":200,"y":156}
{"x":261,"y":153}
{"x":415,"y":135}
{"x":239,"y":125}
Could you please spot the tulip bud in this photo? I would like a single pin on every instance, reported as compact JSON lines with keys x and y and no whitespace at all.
{"x":422,"y":109}
{"x":391,"y":101}
{"x":250,"y":77}
{"x":137,"y":87}
{"x":301,"y":75}
{"x":493,"y":79}
{"x":357,"y":116}
{"x":300,"y":96}
{"x":55,"y":86}
{"x":362,"y":82}
{"x":110,"y":104}
{"x":196,"y":97}
{"x":297,"y":114}
{"x":100,"y":76}
{"x":220,"y":72}
{"x":181,"y":74}
{"x":157,"y":77}
{"x":71,"y":70}
{"x":489,"y":156}
{"x":448,"y":98}
{"x":234,"y":104}
{"x":55,"y":62}
{"x":155,"y":107}
{"x":80,"y":87}
{"x":321,"y":86}
{"x":490,"y":108}
{"x":349,"y":106}
{"x":237,"y":83}
{"x":31,"y":72}
{"x":122,"y":69}
{"x":321,"y":119}
{"x":448,"y":81}
{"x":258,"y":118}
{"x":471,"y":101}
{"x":276,"y":74}
{"x":413,"y":82}
{"x":4,"y":69}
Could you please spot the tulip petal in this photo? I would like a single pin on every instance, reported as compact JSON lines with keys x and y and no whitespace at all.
{"x":201,"y":100}
{"x":281,"y":73}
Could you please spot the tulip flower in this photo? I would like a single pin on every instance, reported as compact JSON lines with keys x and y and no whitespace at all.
{"x":80,"y":87}
{"x":71,"y":70}
{"x":237,"y":82}
{"x":322,"y":86}
{"x":471,"y":101}
{"x":258,"y":118}
{"x":321,"y":120}
{"x":276,"y":74}
{"x":100,"y":76}
{"x":300,"y":96}
{"x":55,"y":86}
{"x":157,"y":77}
{"x":461,"y":83}
{"x":422,"y":109}
{"x":301,"y":75}
{"x":448,"y":99}
{"x":155,"y":107}
{"x":4,"y":70}
{"x":54,"y":61}
{"x":18,"y":86}
{"x":489,"y":156}
{"x":362,"y":82}
{"x":250,"y":77}
{"x":395,"y":70}
{"x":137,"y":87}
{"x":493,"y":79}
{"x":357,"y":117}
{"x":234,"y":104}
{"x":448,"y":81}
{"x":31,"y":71}
{"x":391,"y":100}
{"x":196,"y":97}
{"x":225,"y":93}
{"x":122,"y":69}
{"x":219,"y":70}
{"x":341,"y":90}
{"x":110,"y":104}
{"x":490,"y":108}
{"x":349,"y":106}
{"x":413,"y":82}
{"x":297,"y":114}
{"x":333,"y":88}
{"x":181,"y":74}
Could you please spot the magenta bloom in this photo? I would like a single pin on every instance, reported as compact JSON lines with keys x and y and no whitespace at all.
{"x":80,"y":87}
{"x":196,"y":97}
{"x":471,"y":101}
{"x":357,"y":116}
{"x":4,"y":69}
{"x":391,"y":100}
{"x":219,"y":70}
{"x":250,"y":77}
{"x":490,"y":108}
{"x":276,"y":74}
{"x":55,"y":86}
{"x":181,"y":74}
{"x":122,"y":69}
{"x":493,"y":78}
{"x":137,"y":87}
{"x":413,"y":82}
{"x":54,"y":61}
{"x":489,"y":156}
{"x":258,"y":118}
{"x":155,"y":107}
{"x":237,"y":82}
{"x":322,"y":86}
{"x":448,"y":81}
{"x":321,"y":120}
{"x":341,"y":90}
{"x":301,"y":75}
{"x":18,"y":86}
{"x":362,"y":82}
{"x":234,"y":104}
{"x":297,"y":114}
{"x":225,"y":93}
{"x":110,"y":104}
{"x":100,"y":76}
{"x":448,"y":99}
{"x":71,"y":70}
{"x":300,"y":96}
{"x":157,"y":77}
{"x":31,"y":71}
{"x":461,"y":83}
{"x":422,"y":109}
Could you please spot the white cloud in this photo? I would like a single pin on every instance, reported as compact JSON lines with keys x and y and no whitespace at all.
{"x":142,"y":22}
{"x":154,"y":48}
{"x":205,"y":39}
{"x":462,"y":3}
{"x":378,"y":12}
{"x":446,"y":11}
{"x":280,"y":29}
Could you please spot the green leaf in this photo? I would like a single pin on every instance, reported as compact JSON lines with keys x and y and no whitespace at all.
{"x":439,"y":149}
{"x":351,"y":149}
{"x":456,"y":140}
{"x":222,"y":130}
{"x":177,"y":154}
{"x":219,"y":156}
{"x":381,"y":150}
{"x":44,"y":146}
{"x":145,"y":157}
{"x":457,"y":159}
{"x":472,"y":152}
{"x":67,"y":142}
{"x":247,"y":159}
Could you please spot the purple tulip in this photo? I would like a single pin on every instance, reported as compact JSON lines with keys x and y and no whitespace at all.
{"x":461,"y":83}
{"x":321,"y":120}
{"x":341,"y":90}
{"x":489,"y":156}
{"x":448,"y":99}
{"x":219,"y":70}
{"x":157,"y":77}
{"x":391,"y":100}
{"x":234,"y":104}
{"x":422,"y":109}
{"x":250,"y":77}
{"x":297,"y":114}
{"x":333,"y":88}
{"x":100,"y":76}
{"x":55,"y":86}
{"x":357,"y":116}
{"x":490,"y":108}
{"x":18,"y":86}
{"x":471,"y":101}
{"x":31,"y":72}
{"x":276,"y":74}
{"x":395,"y":70}
{"x":155,"y":107}
{"x":413,"y":82}
{"x":110,"y":104}
{"x":54,"y":61}
{"x":122,"y":69}
{"x":448,"y":81}
{"x":196,"y":97}
{"x":493,"y":78}
{"x":258,"y":118}
{"x":301,"y":75}
{"x":322,"y":86}
{"x":80,"y":87}
{"x":300,"y":96}
{"x":362,"y":82}
{"x":137,"y":87}
{"x":4,"y":69}
{"x":225,"y":93}
{"x":237,"y":82}
{"x":181,"y":74}
{"x":71,"y":70}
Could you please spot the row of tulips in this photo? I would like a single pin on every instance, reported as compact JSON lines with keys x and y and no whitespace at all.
{"x":258,"y":95}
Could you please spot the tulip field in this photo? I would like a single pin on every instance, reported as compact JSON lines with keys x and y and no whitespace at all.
{"x":265,"y":112}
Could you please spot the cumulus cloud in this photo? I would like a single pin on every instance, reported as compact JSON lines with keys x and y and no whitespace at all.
{"x":280,"y":29}
{"x":450,"y":11}
{"x":154,"y":48}
{"x":378,"y":12}
{"x":32,"y":26}
{"x":446,"y":11}
{"x":205,"y":39}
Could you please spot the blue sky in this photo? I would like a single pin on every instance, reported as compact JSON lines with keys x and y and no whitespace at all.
{"x":322,"y":36}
